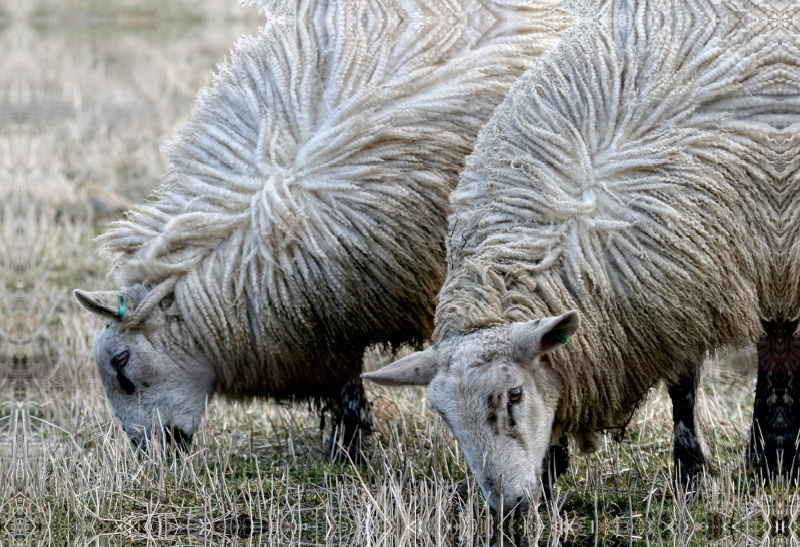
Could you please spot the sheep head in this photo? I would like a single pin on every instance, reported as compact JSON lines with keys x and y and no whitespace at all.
{"x":158,"y":387}
{"x":498,"y":398}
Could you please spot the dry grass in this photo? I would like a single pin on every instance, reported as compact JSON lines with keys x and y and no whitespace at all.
{"x":88,"y":92}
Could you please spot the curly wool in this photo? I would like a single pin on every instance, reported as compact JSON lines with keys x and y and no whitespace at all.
{"x":768,"y":132}
{"x":303,"y":216}
{"x":609,"y":182}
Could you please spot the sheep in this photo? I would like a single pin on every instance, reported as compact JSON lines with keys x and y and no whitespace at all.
{"x":304,"y":212}
{"x":598,"y":244}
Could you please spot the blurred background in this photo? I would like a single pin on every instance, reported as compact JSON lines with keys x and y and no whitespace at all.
{"x":89,"y":92}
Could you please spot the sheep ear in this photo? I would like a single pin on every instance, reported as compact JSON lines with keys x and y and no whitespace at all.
{"x":533,"y":338}
{"x":107,"y":304}
{"x":417,"y":369}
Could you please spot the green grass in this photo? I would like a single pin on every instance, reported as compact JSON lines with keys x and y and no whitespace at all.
{"x":97,"y":106}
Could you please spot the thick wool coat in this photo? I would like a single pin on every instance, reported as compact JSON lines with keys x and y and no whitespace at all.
{"x":619,"y":179}
{"x":303,"y":217}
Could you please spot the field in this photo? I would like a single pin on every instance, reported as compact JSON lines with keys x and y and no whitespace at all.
{"x":88,"y":93}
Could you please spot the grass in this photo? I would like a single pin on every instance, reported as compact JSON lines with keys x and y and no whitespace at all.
{"x":88,"y":93}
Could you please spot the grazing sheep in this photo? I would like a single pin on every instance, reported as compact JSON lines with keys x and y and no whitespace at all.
{"x":303,"y":216}
{"x":603,"y":192}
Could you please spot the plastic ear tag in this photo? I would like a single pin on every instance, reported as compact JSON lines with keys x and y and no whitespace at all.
{"x":121,"y":305}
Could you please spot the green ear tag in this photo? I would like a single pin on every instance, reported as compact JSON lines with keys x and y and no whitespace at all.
{"x":562,"y":339}
{"x":121,"y":305}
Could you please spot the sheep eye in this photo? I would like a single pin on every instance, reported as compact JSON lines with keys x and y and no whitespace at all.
{"x":514,"y":395}
{"x":120,"y":360}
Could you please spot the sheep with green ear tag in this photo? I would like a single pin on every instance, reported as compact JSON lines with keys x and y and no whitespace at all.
{"x":304,"y":212}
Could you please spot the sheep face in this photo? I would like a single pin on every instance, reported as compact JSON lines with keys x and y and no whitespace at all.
{"x":498,"y":398}
{"x":500,"y":418}
{"x":158,"y":390}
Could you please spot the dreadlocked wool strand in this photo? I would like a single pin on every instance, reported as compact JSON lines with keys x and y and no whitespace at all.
{"x":303,"y":216}
{"x":767,"y":131}
{"x":621,"y":178}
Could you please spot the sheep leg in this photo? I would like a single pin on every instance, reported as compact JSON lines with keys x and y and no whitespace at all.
{"x":556,"y":463}
{"x":688,"y":446}
{"x":776,"y":411}
{"x":353,"y":421}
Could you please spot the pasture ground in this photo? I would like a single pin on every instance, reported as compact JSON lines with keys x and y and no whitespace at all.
{"x":88,"y":93}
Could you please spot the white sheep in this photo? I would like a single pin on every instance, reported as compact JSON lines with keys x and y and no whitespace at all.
{"x":605,"y":191}
{"x":303,"y":216}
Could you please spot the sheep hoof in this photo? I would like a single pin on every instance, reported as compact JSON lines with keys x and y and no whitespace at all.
{"x":689,"y":457}
{"x":688,"y":474}
{"x":556,"y":463}
{"x":342,"y":451}
{"x":587,"y":442}
{"x":353,"y":424}
{"x":774,"y":458}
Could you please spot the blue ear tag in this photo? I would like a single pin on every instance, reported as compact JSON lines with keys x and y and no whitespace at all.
{"x":121,"y":305}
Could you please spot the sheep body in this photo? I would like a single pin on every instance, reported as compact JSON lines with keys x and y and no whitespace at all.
{"x":303,"y":216}
{"x":626,"y":184}
{"x":599,"y":189}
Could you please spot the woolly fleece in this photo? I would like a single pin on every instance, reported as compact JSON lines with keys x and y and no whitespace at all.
{"x":303,"y":216}
{"x":614,"y":180}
